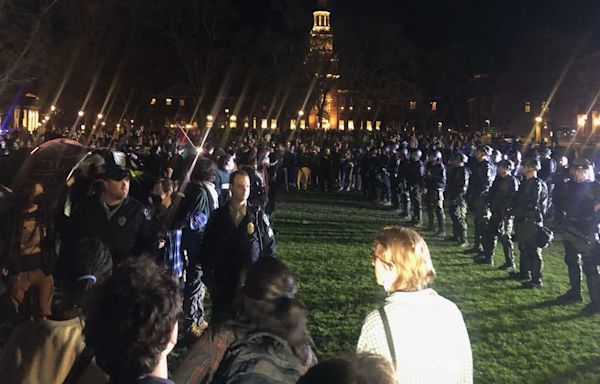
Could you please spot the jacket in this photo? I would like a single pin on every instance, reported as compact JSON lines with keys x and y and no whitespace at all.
{"x":11,"y":227}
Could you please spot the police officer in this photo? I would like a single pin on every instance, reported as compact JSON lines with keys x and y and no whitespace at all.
{"x":500,"y":198}
{"x":559,"y":180}
{"x":530,"y":207}
{"x":581,"y":236}
{"x":121,"y":222}
{"x":458,"y":183}
{"x":403,"y":191}
{"x":236,"y":236}
{"x":480,"y":182}
{"x":435,"y":182}
{"x":414,"y":180}
{"x":547,"y":171}
{"x":393,"y":168}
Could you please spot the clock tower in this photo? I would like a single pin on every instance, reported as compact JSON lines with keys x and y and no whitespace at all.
{"x":322,"y":63}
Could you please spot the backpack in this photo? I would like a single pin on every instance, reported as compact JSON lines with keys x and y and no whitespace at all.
{"x":259,"y":358}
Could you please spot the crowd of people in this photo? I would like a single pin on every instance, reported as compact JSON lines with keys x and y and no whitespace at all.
{"x":147,"y":224}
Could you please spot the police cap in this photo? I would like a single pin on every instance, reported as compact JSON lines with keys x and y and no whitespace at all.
{"x":459,"y":156}
{"x":506,"y":163}
{"x":484,"y":149}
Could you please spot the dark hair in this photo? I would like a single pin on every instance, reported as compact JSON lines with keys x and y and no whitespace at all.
{"x":268,"y":302}
{"x":131,"y":317}
{"x":237,"y":173}
{"x":205,"y":170}
{"x":223,"y":160}
{"x":25,"y":194}
{"x":363,"y":368}
{"x":88,"y":258}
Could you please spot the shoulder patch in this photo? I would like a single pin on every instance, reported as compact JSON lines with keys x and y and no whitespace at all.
{"x":147,"y":214}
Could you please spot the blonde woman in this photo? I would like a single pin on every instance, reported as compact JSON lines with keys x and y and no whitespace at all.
{"x":419,"y":331}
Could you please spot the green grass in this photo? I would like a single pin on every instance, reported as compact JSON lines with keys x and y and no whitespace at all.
{"x":517,"y":335}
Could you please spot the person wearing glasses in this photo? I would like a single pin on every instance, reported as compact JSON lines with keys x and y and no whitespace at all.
{"x":420,"y":332}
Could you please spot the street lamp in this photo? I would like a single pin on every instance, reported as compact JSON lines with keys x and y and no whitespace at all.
{"x":80,"y":113}
{"x":538,"y":119}
{"x":99,"y":116}
{"x":300,"y":113}
{"x":53,"y":108}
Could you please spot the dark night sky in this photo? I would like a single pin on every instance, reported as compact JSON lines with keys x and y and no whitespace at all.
{"x":486,"y":29}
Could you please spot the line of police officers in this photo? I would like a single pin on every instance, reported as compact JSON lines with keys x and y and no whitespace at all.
{"x":509,"y":200}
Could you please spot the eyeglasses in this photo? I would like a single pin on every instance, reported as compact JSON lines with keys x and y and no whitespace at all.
{"x":373,"y":257}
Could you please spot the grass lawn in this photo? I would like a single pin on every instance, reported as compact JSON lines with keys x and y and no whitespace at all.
{"x":517,"y":335}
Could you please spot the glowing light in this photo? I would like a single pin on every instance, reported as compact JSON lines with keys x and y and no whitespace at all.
{"x":538,"y":119}
{"x":46,"y":118}
{"x":80,"y":113}
{"x":226,"y":110}
{"x":300,"y":113}
{"x":103,"y":123}
{"x":209,"y":118}
{"x":233,"y":118}
{"x":118,"y":126}
{"x":53,"y":108}
{"x":131,"y":121}
{"x":368,"y":108}
{"x":581,"y":120}
{"x":188,"y":126}
{"x":99,"y":116}
{"x":595,"y":120}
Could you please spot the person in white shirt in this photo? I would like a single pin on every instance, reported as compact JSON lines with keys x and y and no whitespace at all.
{"x":420,"y":332}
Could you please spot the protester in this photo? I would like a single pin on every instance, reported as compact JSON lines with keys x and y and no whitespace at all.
{"x":362,"y":368}
{"x":266,"y":342}
{"x":131,"y":322}
{"x":27,"y":254}
{"x":50,"y":350}
{"x":421,"y":333}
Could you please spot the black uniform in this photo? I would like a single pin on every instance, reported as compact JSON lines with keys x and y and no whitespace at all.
{"x":581,"y":238}
{"x":126,"y":231}
{"x":415,"y":173}
{"x":458,"y":183}
{"x":546,"y":173}
{"x":479,"y":186}
{"x":403,"y":191}
{"x":529,"y":208}
{"x":229,"y":250}
{"x":435,"y":182}
{"x":559,"y":194}
{"x":500,"y":199}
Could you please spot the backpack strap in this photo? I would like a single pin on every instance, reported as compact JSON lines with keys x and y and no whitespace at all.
{"x":388,"y":334}
{"x":79,"y":366}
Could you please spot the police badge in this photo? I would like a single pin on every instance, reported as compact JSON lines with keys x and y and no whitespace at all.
{"x":250,"y":228}
{"x":122,"y":220}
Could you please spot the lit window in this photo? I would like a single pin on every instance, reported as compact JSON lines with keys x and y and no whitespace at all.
{"x":434,"y":105}
{"x":181,"y":102}
{"x":263,"y":123}
{"x":341,"y":125}
{"x":153,"y":101}
{"x":273,"y":123}
{"x":168,"y":101}
{"x":413,"y":105}
{"x":528,"y":107}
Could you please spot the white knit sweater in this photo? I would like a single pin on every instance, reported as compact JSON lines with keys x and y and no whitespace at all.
{"x":430,"y":338}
